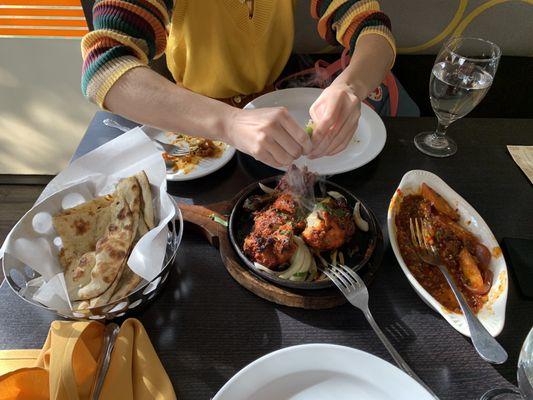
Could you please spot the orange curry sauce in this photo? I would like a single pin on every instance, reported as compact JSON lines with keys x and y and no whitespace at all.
{"x":449,"y":244}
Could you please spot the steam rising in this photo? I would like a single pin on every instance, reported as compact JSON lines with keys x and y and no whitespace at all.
{"x":301,"y":183}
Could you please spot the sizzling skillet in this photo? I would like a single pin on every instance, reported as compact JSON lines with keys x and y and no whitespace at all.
{"x":364,"y":243}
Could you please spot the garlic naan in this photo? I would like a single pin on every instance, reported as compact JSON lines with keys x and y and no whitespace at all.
{"x":80,"y":227}
{"x":112,"y":250}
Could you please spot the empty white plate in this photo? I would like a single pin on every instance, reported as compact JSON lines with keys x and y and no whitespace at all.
{"x":367,"y":143}
{"x":321,"y":372}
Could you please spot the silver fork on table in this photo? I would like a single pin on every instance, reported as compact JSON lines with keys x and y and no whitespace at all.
{"x":173,"y":150}
{"x":487,"y":347}
{"x":110,"y":336}
{"x":355,"y":291}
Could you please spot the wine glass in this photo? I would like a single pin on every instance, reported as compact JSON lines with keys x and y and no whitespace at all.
{"x":461,"y":77}
{"x":524,"y":376}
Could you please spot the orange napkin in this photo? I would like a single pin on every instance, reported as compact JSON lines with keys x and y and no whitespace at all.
{"x":64,"y":369}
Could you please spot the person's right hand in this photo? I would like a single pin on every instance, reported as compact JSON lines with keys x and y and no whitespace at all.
{"x":270,"y":135}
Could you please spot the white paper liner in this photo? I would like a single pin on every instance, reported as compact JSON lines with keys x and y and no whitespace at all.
{"x":34,"y":242}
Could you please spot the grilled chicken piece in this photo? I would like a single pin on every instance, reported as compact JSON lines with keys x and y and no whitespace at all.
{"x":271,"y":241}
{"x":329,"y":226}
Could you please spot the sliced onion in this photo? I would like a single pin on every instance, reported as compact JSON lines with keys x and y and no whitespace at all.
{"x":487,"y":283}
{"x":482,"y":254}
{"x":266,"y":189}
{"x":359,"y":221}
{"x":334,"y":258}
{"x":341,"y":257}
{"x":300,"y":261}
{"x":336,"y":195}
{"x":261,"y":267}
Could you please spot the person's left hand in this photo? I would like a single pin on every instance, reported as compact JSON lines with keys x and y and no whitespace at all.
{"x":335,"y":115}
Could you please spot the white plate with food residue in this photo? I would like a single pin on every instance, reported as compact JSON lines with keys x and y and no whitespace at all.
{"x":206,"y":165}
{"x":492,"y":314}
{"x":321,"y":372}
{"x":367,"y":142}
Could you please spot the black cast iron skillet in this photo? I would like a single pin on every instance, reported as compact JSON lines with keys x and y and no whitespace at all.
{"x":241,"y":223}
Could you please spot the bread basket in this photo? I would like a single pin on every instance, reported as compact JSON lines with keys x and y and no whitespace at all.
{"x":19,"y":276}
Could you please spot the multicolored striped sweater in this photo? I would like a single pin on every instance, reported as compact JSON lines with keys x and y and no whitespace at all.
{"x":130,"y":33}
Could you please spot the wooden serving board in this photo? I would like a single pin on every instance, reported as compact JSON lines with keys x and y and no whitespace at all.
{"x":217,"y":235}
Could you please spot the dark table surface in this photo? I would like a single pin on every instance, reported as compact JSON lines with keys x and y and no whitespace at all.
{"x":206,"y":327}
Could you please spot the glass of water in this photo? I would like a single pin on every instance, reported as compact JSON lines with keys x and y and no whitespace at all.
{"x":461,"y":77}
{"x":524,"y":376}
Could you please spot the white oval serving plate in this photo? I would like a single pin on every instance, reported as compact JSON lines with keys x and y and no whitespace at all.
{"x":492,"y":315}
{"x":321,"y":372}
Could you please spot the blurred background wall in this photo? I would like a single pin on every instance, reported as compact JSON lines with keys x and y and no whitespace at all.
{"x":43,"y":114}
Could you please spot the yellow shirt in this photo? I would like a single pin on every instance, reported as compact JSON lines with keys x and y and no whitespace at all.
{"x":213,"y":47}
{"x":217,"y":50}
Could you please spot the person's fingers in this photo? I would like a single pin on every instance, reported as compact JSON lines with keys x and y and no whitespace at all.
{"x":340,"y":137}
{"x":332,"y":135}
{"x":268,"y":159}
{"x":348,"y":138}
{"x":324,"y":115}
{"x":328,"y":127}
{"x":278,"y":152}
{"x":287,"y":143}
{"x":297,"y":133}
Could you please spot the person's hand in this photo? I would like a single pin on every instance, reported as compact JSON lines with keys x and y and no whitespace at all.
{"x":335,"y":115}
{"x":270,"y":135}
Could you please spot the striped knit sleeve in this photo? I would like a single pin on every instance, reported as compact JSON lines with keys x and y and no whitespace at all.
{"x":127,"y":34}
{"x":345,"y":21}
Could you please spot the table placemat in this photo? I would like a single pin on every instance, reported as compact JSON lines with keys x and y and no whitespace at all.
{"x":523,"y":156}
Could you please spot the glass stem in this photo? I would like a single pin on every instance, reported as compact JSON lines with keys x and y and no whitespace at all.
{"x":440,"y":132}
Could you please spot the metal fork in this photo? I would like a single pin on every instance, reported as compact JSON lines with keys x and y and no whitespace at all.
{"x":487,"y":347}
{"x":355,"y":291}
{"x":110,"y":336}
{"x":173,"y":150}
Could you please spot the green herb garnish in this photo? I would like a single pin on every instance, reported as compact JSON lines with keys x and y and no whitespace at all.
{"x":218,"y":220}
{"x":300,"y":274}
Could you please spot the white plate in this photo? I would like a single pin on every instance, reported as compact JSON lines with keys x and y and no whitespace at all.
{"x":321,"y":372}
{"x":492,"y":315}
{"x":205,"y":167}
{"x":366,"y":144}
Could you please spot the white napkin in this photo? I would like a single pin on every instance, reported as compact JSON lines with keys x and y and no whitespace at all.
{"x":33,"y":241}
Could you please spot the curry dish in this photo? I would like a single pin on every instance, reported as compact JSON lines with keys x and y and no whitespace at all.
{"x":200,"y":148}
{"x":463,"y":254}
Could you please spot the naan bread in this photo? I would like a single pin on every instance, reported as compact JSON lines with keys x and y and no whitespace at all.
{"x":105,"y":297}
{"x":98,"y":237}
{"x":112,"y":250}
{"x":80,"y":227}
{"x":78,"y":274}
{"x":147,"y":206}
{"x":129,"y":281}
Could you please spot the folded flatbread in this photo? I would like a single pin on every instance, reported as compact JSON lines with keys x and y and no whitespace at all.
{"x":147,"y":204}
{"x":80,"y":227}
{"x":98,"y":237}
{"x":113,"y":248}
{"x":78,"y":274}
